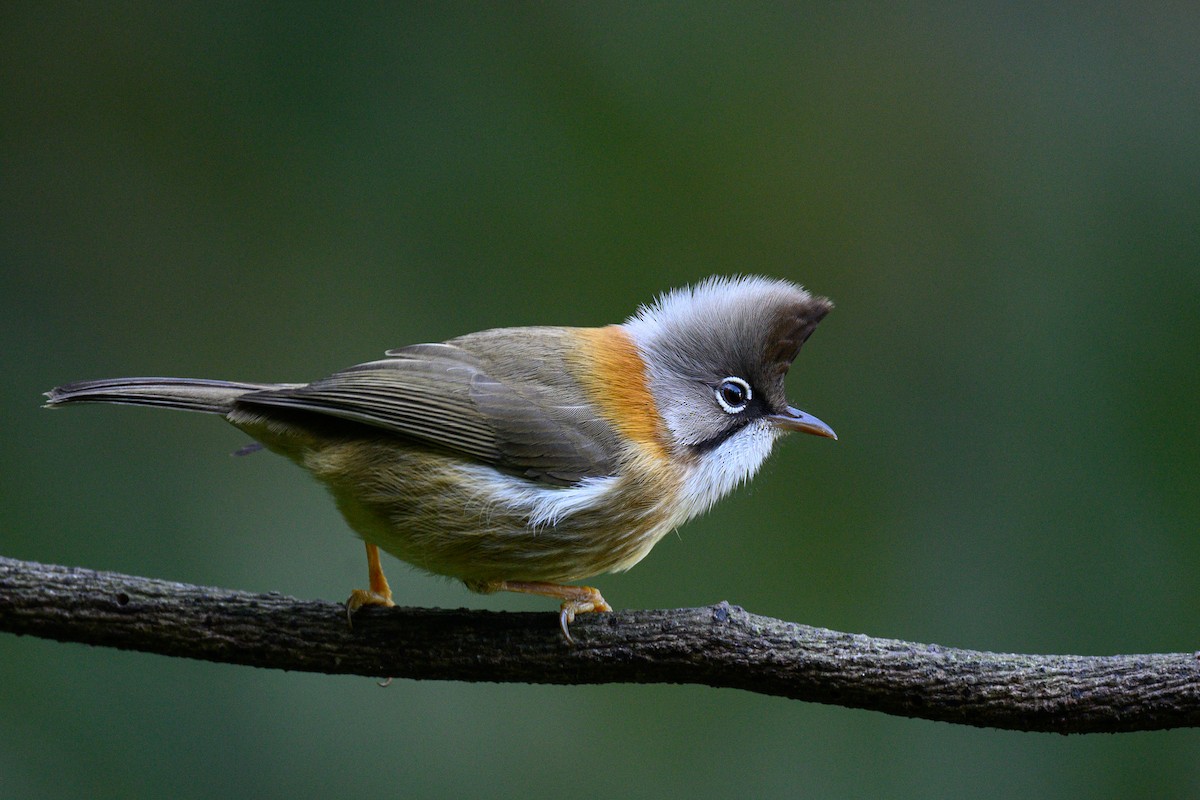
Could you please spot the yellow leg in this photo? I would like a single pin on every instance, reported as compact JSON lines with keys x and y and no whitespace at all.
{"x":575,"y":599}
{"x":379,"y":593}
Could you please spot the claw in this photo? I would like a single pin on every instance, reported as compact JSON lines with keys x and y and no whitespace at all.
{"x":363,"y":597}
{"x":565,"y":618}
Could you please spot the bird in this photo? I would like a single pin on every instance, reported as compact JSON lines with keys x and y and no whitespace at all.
{"x":526,"y":459}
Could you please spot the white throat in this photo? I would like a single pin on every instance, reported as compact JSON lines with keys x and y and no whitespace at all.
{"x":725,"y":467}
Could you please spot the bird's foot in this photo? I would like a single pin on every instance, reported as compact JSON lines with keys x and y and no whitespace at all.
{"x":380,"y":594}
{"x":575,"y":599}
{"x":365,"y":597}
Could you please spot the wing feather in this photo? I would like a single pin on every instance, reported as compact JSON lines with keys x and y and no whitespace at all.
{"x":459,"y":396}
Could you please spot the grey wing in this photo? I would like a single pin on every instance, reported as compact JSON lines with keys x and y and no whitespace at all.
{"x":447,"y":397}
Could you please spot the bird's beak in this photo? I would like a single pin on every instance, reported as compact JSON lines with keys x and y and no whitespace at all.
{"x":796,"y":420}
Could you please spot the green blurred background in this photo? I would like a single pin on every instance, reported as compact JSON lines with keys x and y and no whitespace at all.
{"x":1004,"y":202}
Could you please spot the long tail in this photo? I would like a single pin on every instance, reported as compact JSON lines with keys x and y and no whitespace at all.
{"x":186,"y":394}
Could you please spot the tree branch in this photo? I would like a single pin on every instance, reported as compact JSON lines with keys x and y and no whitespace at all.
{"x":720,"y":645}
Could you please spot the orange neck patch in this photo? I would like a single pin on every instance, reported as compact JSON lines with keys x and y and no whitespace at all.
{"x":614,"y":376}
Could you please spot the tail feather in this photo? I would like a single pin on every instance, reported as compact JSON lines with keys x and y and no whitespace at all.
{"x":186,"y":394}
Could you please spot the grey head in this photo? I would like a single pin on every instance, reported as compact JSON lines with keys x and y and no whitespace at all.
{"x":717,"y":354}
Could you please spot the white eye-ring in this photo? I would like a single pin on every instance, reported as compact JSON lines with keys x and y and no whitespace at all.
{"x":733,"y":395}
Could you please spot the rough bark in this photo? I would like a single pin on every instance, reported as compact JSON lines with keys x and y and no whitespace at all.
{"x":720,"y":646}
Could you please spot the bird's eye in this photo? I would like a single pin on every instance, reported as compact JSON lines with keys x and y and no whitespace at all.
{"x":733,"y":394}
